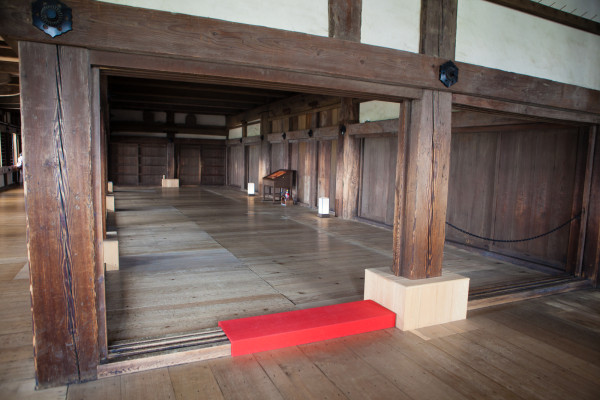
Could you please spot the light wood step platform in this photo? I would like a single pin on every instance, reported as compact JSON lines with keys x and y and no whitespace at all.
{"x":274,"y":331}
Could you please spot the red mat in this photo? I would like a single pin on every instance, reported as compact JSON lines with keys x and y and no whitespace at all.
{"x":274,"y":331}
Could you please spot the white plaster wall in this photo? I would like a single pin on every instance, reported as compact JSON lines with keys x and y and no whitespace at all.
{"x":254,"y":130}
{"x":307,"y":16}
{"x":497,"y":37}
{"x":378,"y":111}
{"x":391,"y":23}
{"x":235,"y":133}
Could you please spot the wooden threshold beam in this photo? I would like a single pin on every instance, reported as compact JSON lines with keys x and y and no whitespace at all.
{"x":279,"y":53}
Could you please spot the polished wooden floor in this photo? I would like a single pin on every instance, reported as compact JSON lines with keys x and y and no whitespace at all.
{"x":193,"y":256}
{"x":547,"y":348}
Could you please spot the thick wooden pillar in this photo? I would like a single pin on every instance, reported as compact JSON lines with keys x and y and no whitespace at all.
{"x":438,"y":28}
{"x":345,"y":19}
{"x":349,"y":152}
{"x":422,"y":185}
{"x":590,"y":238}
{"x":264,"y":165}
{"x":61,"y":237}
{"x":99,"y":192}
{"x":171,"y":156}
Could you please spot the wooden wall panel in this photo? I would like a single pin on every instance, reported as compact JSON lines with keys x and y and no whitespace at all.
{"x":535,"y":191}
{"x":190,"y":165}
{"x":153,"y":163}
{"x":253,"y":164}
{"x":123,"y":168}
{"x":512,"y":185}
{"x":213,"y":165}
{"x":378,"y":179}
{"x":57,"y":126}
{"x":333,"y":174}
{"x":471,"y":185}
{"x":324,"y":166}
{"x":277,"y":156}
{"x":235,"y":165}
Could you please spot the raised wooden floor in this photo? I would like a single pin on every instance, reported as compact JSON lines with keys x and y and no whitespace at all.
{"x":547,"y":348}
{"x":193,"y":256}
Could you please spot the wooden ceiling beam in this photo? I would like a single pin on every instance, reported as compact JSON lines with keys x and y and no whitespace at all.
{"x":136,"y":126}
{"x":552,"y":14}
{"x":294,"y":105}
{"x":123,"y":94}
{"x":277,"y":54}
{"x":9,"y":67}
{"x":135,"y":84}
{"x":178,"y":109}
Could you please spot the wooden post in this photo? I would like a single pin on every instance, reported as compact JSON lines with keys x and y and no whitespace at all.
{"x":264,"y":165}
{"x":351,"y":161}
{"x":56,"y":113}
{"x":345,"y":19}
{"x":99,"y":193}
{"x":438,"y":28}
{"x":422,"y":185}
{"x":590,"y":240}
{"x":171,"y":156}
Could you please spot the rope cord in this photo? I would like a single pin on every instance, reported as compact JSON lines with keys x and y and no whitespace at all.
{"x":515,"y":240}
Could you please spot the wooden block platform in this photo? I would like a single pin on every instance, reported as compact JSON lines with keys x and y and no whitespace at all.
{"x":274,"y":331}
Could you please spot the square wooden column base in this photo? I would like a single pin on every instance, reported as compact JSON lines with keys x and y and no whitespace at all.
{"x":420,"y":302}
{"x":110,"y":203}
{"x":170,"y":183}
{"x":111,"y":251}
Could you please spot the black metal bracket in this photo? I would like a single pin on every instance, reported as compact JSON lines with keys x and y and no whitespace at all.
{"x":448,"y":73}
{"x":52,"y":17}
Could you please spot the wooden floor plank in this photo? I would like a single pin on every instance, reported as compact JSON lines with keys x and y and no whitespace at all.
{"x":355,"y":377}
{"x":295,"y":376}
{"x":104,"y":389}
{"x":243,"y":378}
{"x":150,"y":385}
{"x":194,"y":382}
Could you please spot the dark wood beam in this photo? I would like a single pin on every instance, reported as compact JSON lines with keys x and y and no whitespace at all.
{"x":56,"y":117}
{"x":345,"y":19}
{"x":521,"y":110}
{"x":375,"y":128}
{"x":135,"y":126}
{"x":294,"y":105}
{"x":422,"y":171}
{"x":438,"y":28}
{"x":552,"y":14}
{"x":282,"y":57}
{"x":9,"y":67}
{"x":191,"y":109}
{"x":8,"y":55}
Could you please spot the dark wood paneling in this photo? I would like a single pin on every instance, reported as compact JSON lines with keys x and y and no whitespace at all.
{"x":253,"y":164}
{"x":515,"y":184}
{"x":277,"y":156}
{"x":591,"y":254}
{"x":190,"y":165}
{"x":60,"y":215}
{"x":123,"y":168}
{"x":213,"y":164}
{"x":378,"y":179}
{"x":153,"y":164}
{"x":471,"y":185}
{"x":235,"y":165}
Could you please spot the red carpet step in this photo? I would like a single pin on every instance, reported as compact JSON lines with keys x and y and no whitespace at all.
{"x":274,"y":331}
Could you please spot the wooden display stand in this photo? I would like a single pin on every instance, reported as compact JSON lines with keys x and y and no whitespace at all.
{"x":111,"y":251}
{"x":420,"y":302}
{"x":170,"y":183}
{"x":279,"y":180}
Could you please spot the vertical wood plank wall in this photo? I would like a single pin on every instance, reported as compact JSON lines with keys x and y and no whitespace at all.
{"x":512,"y":185}
{"x":378,"y":179}
{"x":57,"y":127}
